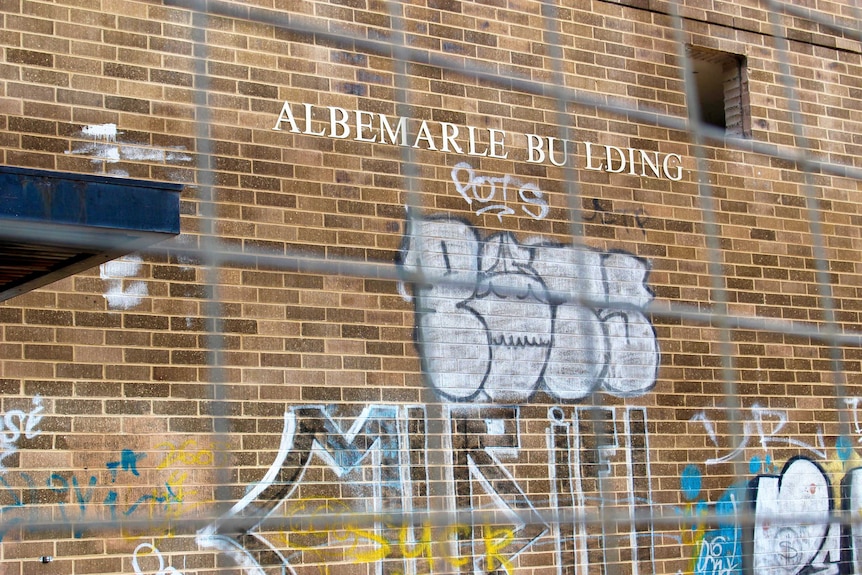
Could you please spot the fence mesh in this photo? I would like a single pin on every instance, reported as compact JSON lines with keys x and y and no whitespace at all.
{"x":570,"y":454}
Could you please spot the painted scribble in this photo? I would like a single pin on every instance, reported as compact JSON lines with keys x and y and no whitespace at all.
{"x":356,"y":544}
{"x":83,"y":497}
{"x":496,"y":194}
{"x":716,"y":551}
{"x":763,"y":425}
{"x":597,"y":213}
{"x":498,"y":319}
{"x":116,"y":491}
{"x":17,"y":423}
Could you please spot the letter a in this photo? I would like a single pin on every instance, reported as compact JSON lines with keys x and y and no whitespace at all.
{"x":286,"y":115}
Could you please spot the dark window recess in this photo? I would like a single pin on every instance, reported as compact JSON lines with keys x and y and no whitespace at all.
{"x":721,"y":83}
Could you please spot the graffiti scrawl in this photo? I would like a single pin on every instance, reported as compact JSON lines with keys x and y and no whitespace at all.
{"x":379,"y":461}
{"x":792,"y":532}
{"x":17,"y":423}
{"x":498,"y":320}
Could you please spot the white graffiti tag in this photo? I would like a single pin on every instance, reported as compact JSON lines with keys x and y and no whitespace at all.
{"x":17,"y":423}
{"x":494,"y":194}
{"x":713,"y":558}
{"x":379,"y":460}
{"x":765,"y":425}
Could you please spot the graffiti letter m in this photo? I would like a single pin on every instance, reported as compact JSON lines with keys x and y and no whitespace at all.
{"x":253,"y":534}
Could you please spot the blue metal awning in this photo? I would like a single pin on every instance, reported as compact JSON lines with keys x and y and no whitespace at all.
{"x":55,"y":224}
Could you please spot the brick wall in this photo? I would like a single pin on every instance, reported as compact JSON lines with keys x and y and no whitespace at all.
{"x":531,"y":341}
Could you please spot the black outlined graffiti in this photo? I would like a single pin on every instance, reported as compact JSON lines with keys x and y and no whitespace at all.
{"x":497,"y":319}
{"x":629,"y":218}
{"x":806,"y":541}
{"x":479,"y":436}
{"x":591,"y":446}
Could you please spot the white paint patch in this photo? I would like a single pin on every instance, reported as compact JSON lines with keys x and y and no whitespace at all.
{"x":104,"y":132}
{"x":495,"y":426}
{"x":142,"y":154}
{"x":102,"y":143}
{"x":118,"y":293}
{"x":186,"y":263}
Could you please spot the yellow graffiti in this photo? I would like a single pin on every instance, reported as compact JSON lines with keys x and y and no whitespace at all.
{"x":382,"y":551}
{"x":454,"y":532}
{"x":311,"y":541}
{"x":496,"y":540}
{"x":188,"y":454}
{"x":173,"y":499}
{"x":693,"y":535}
{"x":837,"y":468}
{"x":421,"y":548}
{"x":167,"y":503}
{"x":357,"y":545}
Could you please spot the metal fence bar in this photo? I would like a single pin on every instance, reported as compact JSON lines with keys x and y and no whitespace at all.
{"x":214,"y":255}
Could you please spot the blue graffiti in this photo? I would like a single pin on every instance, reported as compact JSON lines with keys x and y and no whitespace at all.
{"x":128,"y":462}
{"x":720,"y":551}
{"x":691,"y":482}
{"x":844,"y":448}
{"x":16,"y":512}
{"x":76,"y":496}
{"x":757,"y":465}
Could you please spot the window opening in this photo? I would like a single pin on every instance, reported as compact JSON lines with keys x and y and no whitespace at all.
{"x":721,"y":84}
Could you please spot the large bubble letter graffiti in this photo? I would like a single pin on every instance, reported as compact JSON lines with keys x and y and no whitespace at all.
{"x":498,"y":320}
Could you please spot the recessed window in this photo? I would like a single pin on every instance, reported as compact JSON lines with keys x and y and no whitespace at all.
{"x":722,"y":90}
